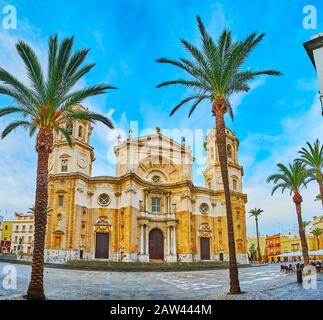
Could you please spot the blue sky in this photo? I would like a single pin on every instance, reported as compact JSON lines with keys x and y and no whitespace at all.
{"x":272,"y":121}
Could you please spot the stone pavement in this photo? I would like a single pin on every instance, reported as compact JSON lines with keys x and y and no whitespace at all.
{"x":265,"y":282}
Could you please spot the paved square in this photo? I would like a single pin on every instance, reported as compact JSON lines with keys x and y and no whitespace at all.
{"x":265,"y":282}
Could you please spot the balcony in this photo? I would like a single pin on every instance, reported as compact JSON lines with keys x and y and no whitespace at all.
{"x":153,"y":216}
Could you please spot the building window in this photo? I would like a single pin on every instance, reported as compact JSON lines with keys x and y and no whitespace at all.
{"x":6,"y":227}
{"x":204,"y":208}
{"x":16,"y":239}
{"x":60,"y":201}
{"x":155,"y":205}
{"x":30,"y":228}
{"x":17,"y":228}
{"x":229,"y":151}
{"x":23,"y":227}
{"x":69,"y":128}
{"x":234,"y":184}
{"x":212,"y":153}
{"x":64,"y":165}
{"x":104,"y":200}
{"x":80,"y":131}
{"x":156,"y":179}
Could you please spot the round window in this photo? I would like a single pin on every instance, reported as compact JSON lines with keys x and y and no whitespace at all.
{"x":156,"y":179}
{"x":204,"y":208}
{"x":59,"y":216}
{"x":104,"y":200}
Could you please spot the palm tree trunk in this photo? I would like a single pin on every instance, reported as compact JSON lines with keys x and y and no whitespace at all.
{"x":258,"y":249}
{"x":321,"y":190}
{"x":298,"y":200}
{"x":218,"y":110}
{"x":44,"y":147}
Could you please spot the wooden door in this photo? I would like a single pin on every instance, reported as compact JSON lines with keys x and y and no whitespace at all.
{"x":102,"y":246}
{"x":205,"y":248}
{"x":156,"y":244}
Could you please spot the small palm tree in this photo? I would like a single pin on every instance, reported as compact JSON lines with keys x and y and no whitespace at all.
{"x":313,"y":158}
{"x":216,"y":72}
{"x":46,"y":105}
{"x":255,"y":213}
{"x":305,"y":224}
{"x":293,"y":178}
{"x":316,"y":232}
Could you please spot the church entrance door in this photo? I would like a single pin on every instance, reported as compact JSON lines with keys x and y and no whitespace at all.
{"x":102,"y":246}
{"x":156,"y":244}
{"x":205,"y":248}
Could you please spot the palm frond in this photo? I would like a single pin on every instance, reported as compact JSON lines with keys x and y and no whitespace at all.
{"x":14,"y":125}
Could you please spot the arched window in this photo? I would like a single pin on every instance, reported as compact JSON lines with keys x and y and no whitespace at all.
{"x":64,"y":165}
{"x":80,"y":131}
{"x":229,"y":151}
{"x":234,"y":184}
{"x":212,"y":153}
{"x":69,"y":128}
{"x":209,"y":183}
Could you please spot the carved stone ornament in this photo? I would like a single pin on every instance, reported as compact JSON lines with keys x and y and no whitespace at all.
{"x":103,"y":225}
{"x":131,"y":188}
{"x":205,"y":230}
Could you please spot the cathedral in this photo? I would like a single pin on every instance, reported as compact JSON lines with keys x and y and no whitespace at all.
{"x":150,"y":210}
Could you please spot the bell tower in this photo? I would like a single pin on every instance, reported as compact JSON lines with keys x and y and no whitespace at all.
{"x":77,"y":158}
{"x":212,"y":173}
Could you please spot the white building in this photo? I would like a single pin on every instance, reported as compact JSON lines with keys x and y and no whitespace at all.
{"x":22,"y":234}
{"x":314,"y":49}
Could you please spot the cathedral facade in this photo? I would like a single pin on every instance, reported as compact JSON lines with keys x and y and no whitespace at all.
{"x":150,"y":210}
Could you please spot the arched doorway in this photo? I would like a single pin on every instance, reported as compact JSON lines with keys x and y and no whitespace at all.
{"x":156,"y":244}
{"x":102,"y":246}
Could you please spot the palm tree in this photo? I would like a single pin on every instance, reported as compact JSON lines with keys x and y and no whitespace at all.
{"x":316,"y":232}
{"x":216,"y":73}
{"x":32,"y":210}
{"x":313,"y":158}
{"x":256,"y":212}
{"x":305,"y":224}
{"x":46,"y":105}
{"x":294,"y":178}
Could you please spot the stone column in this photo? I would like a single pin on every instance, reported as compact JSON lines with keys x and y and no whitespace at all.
{"x":147,"y":240}
{"x":174,"y":251}
{"x":142,"y":239}
{"x":169,"y":241}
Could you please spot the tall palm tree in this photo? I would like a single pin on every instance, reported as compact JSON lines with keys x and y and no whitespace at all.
{"x":313,"y":158}
{"x":255,"y":213}
{"x":33,"y":210}
{"x":293,"y":178}
{"x":316,"y":232}
{"x":216,"y":72}
{"x":46,"y":104}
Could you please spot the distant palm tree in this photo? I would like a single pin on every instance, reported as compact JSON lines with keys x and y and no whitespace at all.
{"x":313,"y":158}
{"x":32,"y":210}
{"x":305,"y":224}
{"x":318,"y":198}
{"x":255,"y":213}
{"x":47,"y":105}
{"x":216,"y":72}
{"x":316,"y":232}
{"x":293,"y":178}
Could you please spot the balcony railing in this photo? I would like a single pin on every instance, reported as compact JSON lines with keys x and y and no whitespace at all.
{"x":153,"y":216}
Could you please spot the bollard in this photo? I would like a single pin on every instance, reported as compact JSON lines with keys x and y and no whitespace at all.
{"x":299,"y":275}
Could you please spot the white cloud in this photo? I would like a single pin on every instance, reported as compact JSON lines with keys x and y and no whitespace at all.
{"x":279,"y":209}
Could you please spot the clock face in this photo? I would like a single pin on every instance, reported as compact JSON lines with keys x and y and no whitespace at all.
{"x":82,"y":163}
